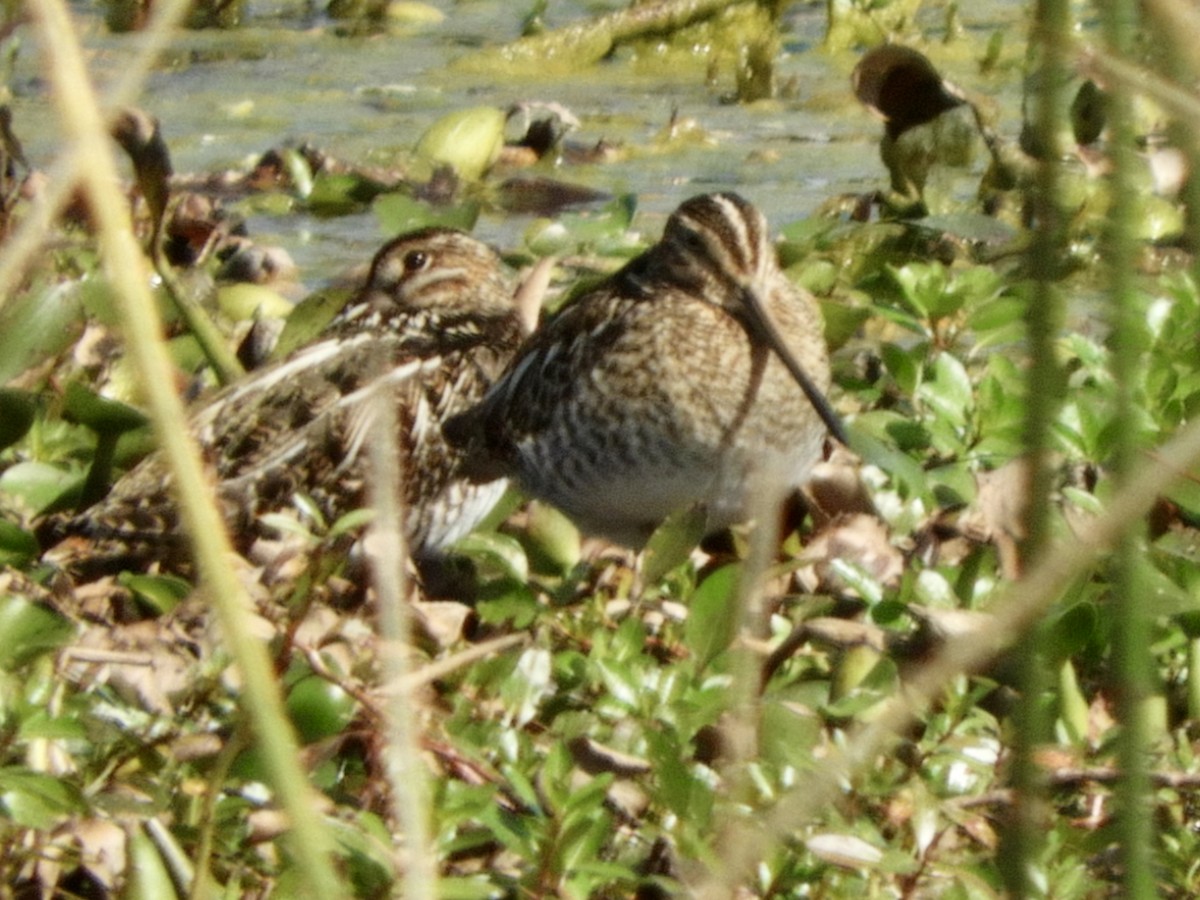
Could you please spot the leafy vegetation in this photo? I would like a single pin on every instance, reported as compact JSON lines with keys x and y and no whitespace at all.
{"x":942,"y":682}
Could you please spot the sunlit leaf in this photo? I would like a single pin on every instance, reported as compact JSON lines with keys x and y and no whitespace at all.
{"x":948,"y":391}
{"x":244,"y":301}
{"x":36,"y":800}
{"x":364,"y":843}
{"x":41,"y":487}
{"x":532,"y":681}
{"x":553,"y":537}
{"x":469,"y":140}
{"x":351,"y":522}
{"x":342,"y":193}
{"x":501,"y":552}
{"x":36,"y":326}
{"x":149,"y":873}
{"x":600,"y":229}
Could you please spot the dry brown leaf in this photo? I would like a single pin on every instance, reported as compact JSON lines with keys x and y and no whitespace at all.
{"x":860,"y":539}
{"x":998,"y":513}
{"x":835,"y":487}
{"x":442,"y":621}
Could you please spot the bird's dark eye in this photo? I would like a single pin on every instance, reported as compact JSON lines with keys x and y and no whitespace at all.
{"x":415,"y":260}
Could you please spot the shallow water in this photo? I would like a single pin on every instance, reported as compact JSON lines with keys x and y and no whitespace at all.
{"x":224,"y":97}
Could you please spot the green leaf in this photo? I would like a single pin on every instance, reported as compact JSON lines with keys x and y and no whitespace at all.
{"x":789,"y":735}
{"x":970,"y":226}
{"x":298,"y":170}
{"x":714,"y":614}
{"x":595,"y":229}
{"x":842,"y":321}
{"x":531,"y":682}
{"x":948,"y":391}
{"x":86,"y":407}
{"x":351,"y":522}
{"x":475,"y":887}
{"x":319,"y":708}
{"x":40,"y":487}
{"x":309,"y":318}
{"x":1072,"y":705}
{"x":243,"y":302}
{"x":29,"y":629}
{"x":40,"y":725}
{"x":342,"y":193}
{"x":37,"y":326}
{"x":871,"y":438}
{"x":162,"y":593}
{"x":922,"y":286}
{"x":904,"y":365}
{"x":553,"y":537}
{"x":310,"y":511}
{"x":287,"y":524}
{"x":496,"y":554}
{"x":399,"y":213}
{"x":17,"y":411}
{"x":468,"y":140}
{"x":32,"y":800}
{"x":672,"y":543}
{"x":365,"y":844}
{"x":149,"y":874}
{"x":18,"y":547}
{"x":506,"y":600}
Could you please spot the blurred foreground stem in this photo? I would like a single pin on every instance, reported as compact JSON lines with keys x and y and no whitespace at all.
{"x":1131,"y":640}
{"x":142,"y":329}
{"x":1023,"y":838}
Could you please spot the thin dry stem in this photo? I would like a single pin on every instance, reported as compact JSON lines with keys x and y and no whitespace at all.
{"x":405,"y":768}
{"x":128,"y":272}
{"x":744,"y":718}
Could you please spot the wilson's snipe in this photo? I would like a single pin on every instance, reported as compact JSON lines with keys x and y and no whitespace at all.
{"x":434,"y":325}
{"x":672,"y":383}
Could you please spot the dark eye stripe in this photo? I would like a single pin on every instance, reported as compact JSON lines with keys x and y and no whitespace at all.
{"x":726,"y":236}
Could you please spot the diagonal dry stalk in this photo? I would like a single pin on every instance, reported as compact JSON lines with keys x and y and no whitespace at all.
{"x":1015,"y":612}
{"x":128,"y":272}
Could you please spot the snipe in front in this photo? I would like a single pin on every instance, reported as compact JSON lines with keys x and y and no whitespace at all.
{"x":689,"y":377}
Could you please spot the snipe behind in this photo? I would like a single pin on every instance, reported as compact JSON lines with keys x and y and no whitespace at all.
{"x":434,"y":325}
{"x":686,"y":378}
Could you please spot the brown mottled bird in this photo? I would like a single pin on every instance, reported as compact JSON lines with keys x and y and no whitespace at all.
{"x":686,"y":378}
{"x":434,"y":325}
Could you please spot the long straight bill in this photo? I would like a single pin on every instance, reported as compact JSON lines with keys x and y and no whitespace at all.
{"x":767,"y":330}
